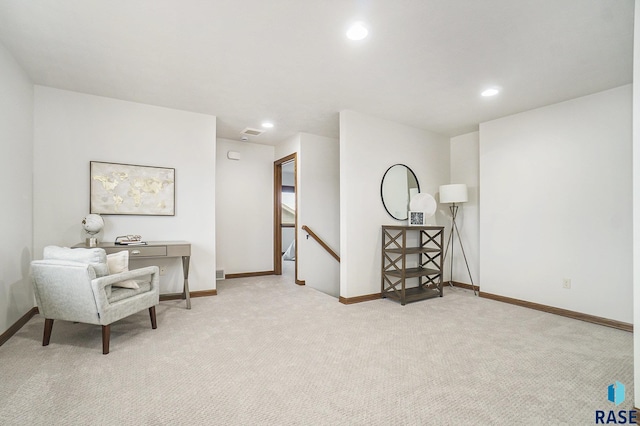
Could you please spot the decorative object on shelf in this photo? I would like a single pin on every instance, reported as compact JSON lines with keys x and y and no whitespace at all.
{"x":92,"y":225}
{"x":423,"y":202}
{"x":127,"y":189}
{"x":455,"y":194}
{"x":397,"y":255}
{"x":417,"y":218}
{"x":399,"y":185}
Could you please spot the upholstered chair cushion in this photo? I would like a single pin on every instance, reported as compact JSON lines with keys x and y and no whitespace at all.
{"x":119,"y":262}
{"x":124,"y":293}
{"x":96,"y":257}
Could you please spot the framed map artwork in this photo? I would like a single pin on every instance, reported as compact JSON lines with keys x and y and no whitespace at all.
{"x":131,"y":190}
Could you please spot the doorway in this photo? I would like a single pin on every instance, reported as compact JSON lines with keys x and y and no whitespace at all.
{"x":285,"y":229}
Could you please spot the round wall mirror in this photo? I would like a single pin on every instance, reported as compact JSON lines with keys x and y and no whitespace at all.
{"x":399,"y":184}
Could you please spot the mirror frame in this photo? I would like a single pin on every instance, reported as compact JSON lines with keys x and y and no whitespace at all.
{"x":382,"y":193}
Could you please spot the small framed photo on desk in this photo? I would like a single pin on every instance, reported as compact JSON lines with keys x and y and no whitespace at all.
{"x":416,"y":218}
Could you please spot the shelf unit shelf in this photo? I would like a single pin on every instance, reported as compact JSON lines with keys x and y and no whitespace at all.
{"x":413,"y":250}
{"x":413,"y":272}
{"x":426,"y":254}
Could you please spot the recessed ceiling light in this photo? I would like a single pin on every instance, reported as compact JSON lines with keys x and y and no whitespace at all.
{"x":357,"y":31}
{"x":267,"y":125}
{"x":492,"y":91}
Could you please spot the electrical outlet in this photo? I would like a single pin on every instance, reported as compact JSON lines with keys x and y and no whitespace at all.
{"x":163,"y":270}
{"x":566,"y":283}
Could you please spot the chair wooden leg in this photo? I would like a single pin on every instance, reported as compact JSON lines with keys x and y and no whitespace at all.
{"x":48,"y":326}
{"x":152,"y":314}
{"x":106,"y":334}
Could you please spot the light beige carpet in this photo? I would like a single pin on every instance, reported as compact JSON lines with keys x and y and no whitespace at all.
{"x":266,"y":351}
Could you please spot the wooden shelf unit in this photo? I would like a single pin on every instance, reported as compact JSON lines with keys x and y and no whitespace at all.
{"x":429,"y":261}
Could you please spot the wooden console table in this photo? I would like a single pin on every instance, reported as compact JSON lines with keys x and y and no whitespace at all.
{"x":428,"y":259}
{"x":155,"y":250}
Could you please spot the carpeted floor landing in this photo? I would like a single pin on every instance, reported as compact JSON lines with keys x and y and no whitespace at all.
{"x":265,"y":351}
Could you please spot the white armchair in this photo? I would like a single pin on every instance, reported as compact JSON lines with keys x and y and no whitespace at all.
{"x":75,"y":285}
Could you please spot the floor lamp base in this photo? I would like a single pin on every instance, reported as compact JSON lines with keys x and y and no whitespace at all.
{"x":454,"y":228}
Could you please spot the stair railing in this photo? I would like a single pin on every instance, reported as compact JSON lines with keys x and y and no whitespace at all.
{"x":322,"y":243}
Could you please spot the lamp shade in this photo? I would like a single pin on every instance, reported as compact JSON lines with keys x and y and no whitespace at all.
{"x":454,"y":193}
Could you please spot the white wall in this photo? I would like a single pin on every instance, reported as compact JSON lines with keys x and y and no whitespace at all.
{"x":244,"y":212}
{"x":287,"y":147}
{"x":636,"y":204}
{"x":319,"y":209}
{"x":72,"y":129}
{"x":16,"y":168}
{"x":465,"y":169}
{"x":368,"y":147}
{"x":556,"y":203}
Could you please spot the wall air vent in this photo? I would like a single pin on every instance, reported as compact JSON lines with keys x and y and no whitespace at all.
{"x":219,"y":274}
{"x":252,"y":132}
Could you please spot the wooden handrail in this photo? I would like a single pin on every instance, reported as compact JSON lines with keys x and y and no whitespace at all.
{"x":322,"y":243}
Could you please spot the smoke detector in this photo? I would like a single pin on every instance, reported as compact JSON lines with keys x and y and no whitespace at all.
{"x":251,"y":132}
{"x":244,"y":138}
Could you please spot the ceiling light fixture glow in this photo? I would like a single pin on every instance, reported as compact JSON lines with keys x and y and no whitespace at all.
{"x":357,"y":31}
{"x":490,"y":92}
{"x":267,"y":125}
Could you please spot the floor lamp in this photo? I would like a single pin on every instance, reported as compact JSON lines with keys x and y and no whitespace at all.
{"x":455,"y":194}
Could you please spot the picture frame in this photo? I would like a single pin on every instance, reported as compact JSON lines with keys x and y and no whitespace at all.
{"x":417,"y":218}
{"x":129,"y":189}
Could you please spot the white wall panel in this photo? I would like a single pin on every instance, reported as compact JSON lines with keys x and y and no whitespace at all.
{"x":244,"y":207}
{"x":465,"y":169}
{"x":16,"y":167}
{"x":319,"y":209}
{"x":72,"y":129}
{"x":636,"y":202}
{"x":368,"y":147}
{"x":556,"y":202}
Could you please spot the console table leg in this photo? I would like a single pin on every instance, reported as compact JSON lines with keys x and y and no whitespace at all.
{"x":185,"y":271}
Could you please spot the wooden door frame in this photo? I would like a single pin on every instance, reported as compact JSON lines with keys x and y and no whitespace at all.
{"x":277,"y":213}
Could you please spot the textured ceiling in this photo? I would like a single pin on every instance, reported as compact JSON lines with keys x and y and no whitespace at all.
{"x":244,"y":61}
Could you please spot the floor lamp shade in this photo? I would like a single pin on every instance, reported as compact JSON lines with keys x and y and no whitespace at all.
{"x":454,"y":193}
